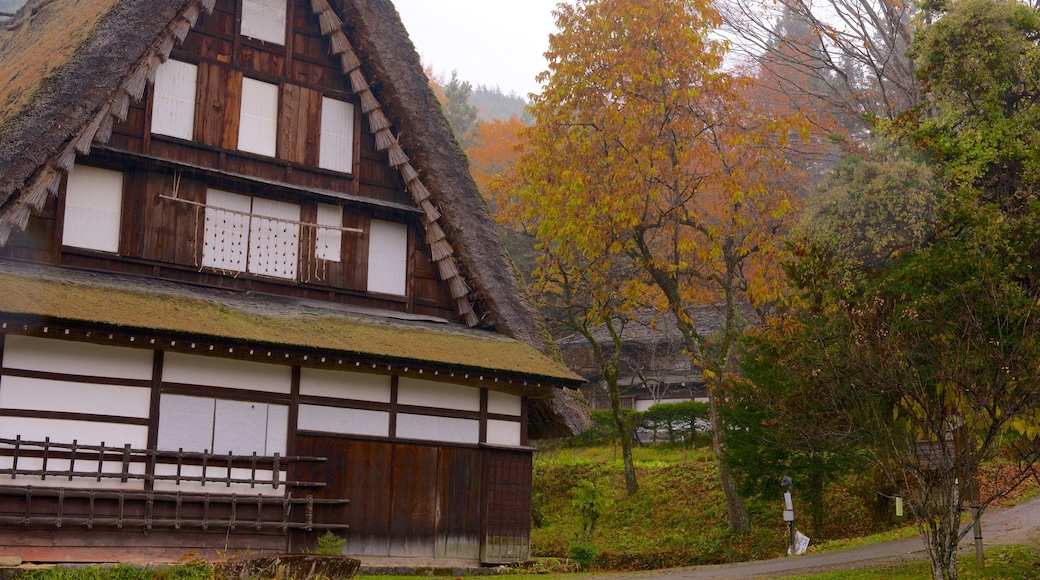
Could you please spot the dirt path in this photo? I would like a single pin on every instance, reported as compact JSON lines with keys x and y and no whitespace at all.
{"x":1015,"y":525}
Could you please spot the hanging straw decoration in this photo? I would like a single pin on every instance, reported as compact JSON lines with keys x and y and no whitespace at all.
{"x":385,"y":140}
{"x":329,"y":22}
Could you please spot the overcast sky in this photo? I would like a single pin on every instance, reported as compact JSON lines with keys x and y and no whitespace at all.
{"x":490,"y":42}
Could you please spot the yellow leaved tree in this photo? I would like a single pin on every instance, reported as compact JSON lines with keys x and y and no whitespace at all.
{"x":645,"y":151}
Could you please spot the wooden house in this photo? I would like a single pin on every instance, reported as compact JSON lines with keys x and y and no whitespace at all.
{"x":655,"y":365}
{"x":249,"y":293}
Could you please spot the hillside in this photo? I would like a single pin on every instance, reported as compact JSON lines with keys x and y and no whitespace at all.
{"x":678,"y":516}
{"x":492,"y":103}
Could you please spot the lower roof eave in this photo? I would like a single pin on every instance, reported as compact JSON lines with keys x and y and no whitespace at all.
{"x":524,"y":384}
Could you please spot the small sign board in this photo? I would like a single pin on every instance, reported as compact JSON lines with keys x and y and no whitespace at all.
{"x":788,"y":515}
{"x":801,"y":543}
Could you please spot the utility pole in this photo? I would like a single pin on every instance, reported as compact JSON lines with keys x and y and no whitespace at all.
{"x":788,"y":513}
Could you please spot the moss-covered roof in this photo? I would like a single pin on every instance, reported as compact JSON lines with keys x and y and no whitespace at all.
{"x":145,"y":305}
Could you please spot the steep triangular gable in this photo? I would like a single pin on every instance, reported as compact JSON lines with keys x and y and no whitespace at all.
{"x":99,"y":130}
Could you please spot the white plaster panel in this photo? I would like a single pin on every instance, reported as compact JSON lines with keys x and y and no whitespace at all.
{"x":258,"y":129}
{"x":329,"y":243}
{"x":277,"y":429}
{"x":213,"y":484}
{"x":76,"y":358}
{"x":185,"y":423}
{"x":387,"y":257}
{"x":447,"y":429}
{"x":345,"y":385}
{"x":346,"y":421}
{"x":438,"y":395}
{"x":93,"y":205}
{"x":83,"y":432}
{"x":336,"y":147}
{"x":503,"y":432}
{"x":264,"y":20}
{"x":173,"y":108}
{"x":226,"y":373}
{"x":504,"y":404}
{"x":47,"y":395}
{"x":240,"y":427}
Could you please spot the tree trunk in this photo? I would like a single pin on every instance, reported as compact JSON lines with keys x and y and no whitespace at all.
{"x":737,"y":511}
{"x":624,"y":436}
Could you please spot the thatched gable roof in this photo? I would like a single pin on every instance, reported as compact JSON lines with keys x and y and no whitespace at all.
{"x":73,"y":65}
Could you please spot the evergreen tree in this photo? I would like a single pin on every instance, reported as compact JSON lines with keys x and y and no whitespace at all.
{"x":461,"y":114}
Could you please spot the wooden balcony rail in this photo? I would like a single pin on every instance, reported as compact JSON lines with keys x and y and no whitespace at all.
{"x":52,"y":505}
{"x":96,"y":456}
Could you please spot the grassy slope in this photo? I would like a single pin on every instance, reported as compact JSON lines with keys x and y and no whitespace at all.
{"x":678,"y":517}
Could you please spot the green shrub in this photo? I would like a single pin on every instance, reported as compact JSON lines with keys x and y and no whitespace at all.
{"x":330,"y":544}
{"x":584,"y":553}
{"x":685,"y":419}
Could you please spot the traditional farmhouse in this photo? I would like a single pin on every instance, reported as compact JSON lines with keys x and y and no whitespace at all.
{"x":655,"y":365}
{"x":249,"y":293}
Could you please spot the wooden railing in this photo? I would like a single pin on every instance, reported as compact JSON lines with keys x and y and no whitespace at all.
{"x":52,"y":505}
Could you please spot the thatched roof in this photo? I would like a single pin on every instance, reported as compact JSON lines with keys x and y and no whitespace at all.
{"x":68,"y":69}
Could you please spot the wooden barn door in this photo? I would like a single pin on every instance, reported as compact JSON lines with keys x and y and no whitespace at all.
{"x":507,"y":506}
{"x":458,"y":504}
{"x":356,"y":470}
{"x":409,"y":500}
{"x":413,"y":509}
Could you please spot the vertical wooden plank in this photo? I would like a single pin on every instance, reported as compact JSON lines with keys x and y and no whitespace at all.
{"x":368,"y":488}
{"x":458,"y":504}
{"x":507,"y":506}
{"x":133,"y":221}
{"x":288,"y":125}
{"x":312,"y":120}
{"x":209,"y":104}
{"x":153,"y":413}
{"x":232,"y":109}
{"x":413,"y":507}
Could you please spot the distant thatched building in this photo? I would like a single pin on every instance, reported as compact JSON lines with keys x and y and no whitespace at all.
{"x":656,"y":368}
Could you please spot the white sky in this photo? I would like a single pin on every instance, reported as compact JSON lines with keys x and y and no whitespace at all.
{"x":489,"y":42}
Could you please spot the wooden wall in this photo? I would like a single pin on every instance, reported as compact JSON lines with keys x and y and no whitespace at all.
{"x":411,"y":500}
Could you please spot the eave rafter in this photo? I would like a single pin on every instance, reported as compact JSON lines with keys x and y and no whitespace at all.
{"x":379,"y":124}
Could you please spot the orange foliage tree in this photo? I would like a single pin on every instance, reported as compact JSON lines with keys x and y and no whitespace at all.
{"x":645,"y":150}
{"x":494,"y":151}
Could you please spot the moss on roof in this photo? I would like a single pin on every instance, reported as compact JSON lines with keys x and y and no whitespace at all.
{"x":41,"y":44}
{"x":327,"y":330}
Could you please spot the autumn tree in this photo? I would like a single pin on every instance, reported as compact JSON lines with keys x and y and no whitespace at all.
{"x":643,"y":146}
{"x":494,"y":150}
{"x":596,"y":299}
{"x":856,"y":57}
